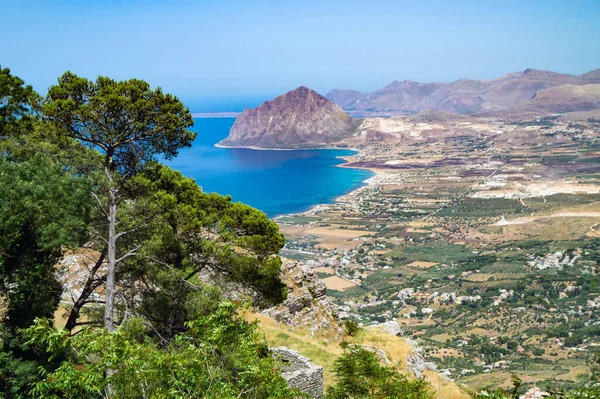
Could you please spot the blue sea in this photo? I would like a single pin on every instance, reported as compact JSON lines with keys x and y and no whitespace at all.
{"x":277,"y":182}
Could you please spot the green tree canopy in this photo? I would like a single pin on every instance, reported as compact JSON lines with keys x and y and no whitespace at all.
{"x":127,"y":121}
{"x":17,"y":104}
{"x":42,"y":209}
{"x":130,"y":124}
{"x":188,"y":232}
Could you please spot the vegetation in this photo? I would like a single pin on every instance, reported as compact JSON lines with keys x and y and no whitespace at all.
{"x":150,"y":317}
{"x":360,"y":374}
{"x":219,"y":356}
{"x":130,"y":124}
{"x":351,"y":327}
{"x":79,"y":171}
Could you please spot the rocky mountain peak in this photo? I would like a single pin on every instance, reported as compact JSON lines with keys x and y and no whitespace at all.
{"x":299,"y":118}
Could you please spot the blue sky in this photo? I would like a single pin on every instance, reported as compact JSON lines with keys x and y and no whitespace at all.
{"x":212,"y":52}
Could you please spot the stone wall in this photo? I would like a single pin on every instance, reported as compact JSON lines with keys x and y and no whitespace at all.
{"x":300,"y":372}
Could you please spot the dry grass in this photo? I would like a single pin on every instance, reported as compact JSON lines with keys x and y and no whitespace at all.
{"x":441,"y":337}
{"x":327,"y":270}
{"x":338,"y":283}
{"x":324,"y":352}
{"x":317,"y":349}
{"x":332,"y":243}
{"x":334,"y":232}
{"x":481,"y":332}
{"x":421,"y":265}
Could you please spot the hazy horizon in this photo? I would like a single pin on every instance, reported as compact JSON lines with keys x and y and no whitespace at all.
{"x":224,"y":57}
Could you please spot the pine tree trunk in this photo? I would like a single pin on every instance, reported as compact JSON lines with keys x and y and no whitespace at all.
{"x":111,"y":257}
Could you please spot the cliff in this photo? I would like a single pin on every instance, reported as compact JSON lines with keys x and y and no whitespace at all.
{"x":299,"y":118}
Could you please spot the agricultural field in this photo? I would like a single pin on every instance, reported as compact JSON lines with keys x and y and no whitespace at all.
{"x":487,"y":255}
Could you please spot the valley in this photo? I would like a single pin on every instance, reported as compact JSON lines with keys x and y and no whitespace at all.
{"x":478,"y":235}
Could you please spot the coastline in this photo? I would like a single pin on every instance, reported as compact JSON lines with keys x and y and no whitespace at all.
{"x":369,"y":182}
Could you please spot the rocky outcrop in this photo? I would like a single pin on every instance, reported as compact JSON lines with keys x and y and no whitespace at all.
{"x":415,"y":359}
{"x":300,"y":372}
{"x":393,"y":328}
{"x":306,"y":304}
{"x":463,"y":96}
{"x":417,"y":364}
{"x":299,"y":118}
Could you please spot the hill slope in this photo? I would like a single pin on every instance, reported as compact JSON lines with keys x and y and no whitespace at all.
{"x":323,"y":351}
{"x":461,"y":96}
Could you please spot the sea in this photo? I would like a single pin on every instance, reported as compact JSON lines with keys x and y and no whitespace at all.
{"x":277,"y":182}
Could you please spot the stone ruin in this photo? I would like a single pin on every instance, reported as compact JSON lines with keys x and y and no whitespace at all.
{"x":300,"y":372}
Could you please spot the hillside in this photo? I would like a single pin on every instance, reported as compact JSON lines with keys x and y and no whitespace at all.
{"x":323,"y":351}
{"x":461,"y":96}
{"x":300,"y":117}
{"x":566,"y":98}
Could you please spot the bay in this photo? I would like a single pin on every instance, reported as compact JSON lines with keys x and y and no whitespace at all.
{"x":274,"y":181}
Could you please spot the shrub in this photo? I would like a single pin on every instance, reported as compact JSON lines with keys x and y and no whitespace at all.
{"x":359,"y":374}
{"x":351,"y":327}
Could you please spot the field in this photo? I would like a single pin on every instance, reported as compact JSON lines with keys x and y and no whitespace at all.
{"x":421,"y":265}
{"x":482,"y":240}
{"x":338,"y":283}
{"x":481,"y":277}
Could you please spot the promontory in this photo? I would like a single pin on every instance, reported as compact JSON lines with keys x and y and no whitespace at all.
{"x":300,"y":118}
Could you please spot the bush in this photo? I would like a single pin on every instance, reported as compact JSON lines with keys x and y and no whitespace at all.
{"x":351,"y":327}
{"x":220,"y":356}
{"x":359,"y":374}
{"x":538,"y":351}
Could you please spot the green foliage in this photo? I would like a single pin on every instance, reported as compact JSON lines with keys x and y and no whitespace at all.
{"x":501,"y":393}
{"x":17,"y":103}
{"x":174,"y":230}
{"x":359,"y":374}
{"x":220,"y":356}
{"x":127,"y":121}
{"x":42,"y":209}
{"x":130,"y":124}
{"x":581,"y":393}
{"x":480,"y":207}
{"x":189,"y":232}
{"x":351,"y":327}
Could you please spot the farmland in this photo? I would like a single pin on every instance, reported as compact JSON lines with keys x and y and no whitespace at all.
{"x":487,"y":255}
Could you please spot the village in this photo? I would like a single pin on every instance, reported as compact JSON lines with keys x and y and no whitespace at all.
{"x":484,"y":249}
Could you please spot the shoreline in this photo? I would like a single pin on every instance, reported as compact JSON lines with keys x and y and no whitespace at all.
{"x":346,"y":158}
{"x":371,"y":181}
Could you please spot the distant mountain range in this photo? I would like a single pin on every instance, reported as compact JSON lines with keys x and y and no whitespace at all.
{"x":530,"y":90}
{"x":302,"y":118}
{"x":298,"y":117}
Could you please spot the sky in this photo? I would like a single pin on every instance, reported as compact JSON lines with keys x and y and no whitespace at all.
{"x":225,"y":55}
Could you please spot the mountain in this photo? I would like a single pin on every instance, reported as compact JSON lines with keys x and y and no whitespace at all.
{"x":462,"y":96}
{"x":566,"y":98}
{"x":300,"y":117}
